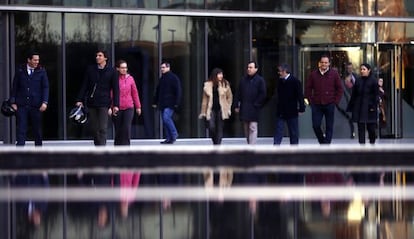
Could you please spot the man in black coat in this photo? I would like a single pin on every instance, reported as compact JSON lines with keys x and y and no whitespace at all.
{"x":167,"y":99}
{"x":290,"y":104}
{"x":100,"y":79}
{"x":249,"y":100}
{"x":29,"y":98}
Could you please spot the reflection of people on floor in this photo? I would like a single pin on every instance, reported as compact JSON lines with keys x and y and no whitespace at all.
{"x":128,"y":182}
{"x":35,"y":209}
{"x":327,"y":179}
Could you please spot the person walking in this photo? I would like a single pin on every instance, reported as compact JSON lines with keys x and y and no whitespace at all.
{"x":250,"y":98}
{"x":167,"y":98}
{"x":100,"y":80}
{"x":29,"y":98}
{"x":215,"y":108}
{"x":129,"y":104}
{"x":290,"y":103}
{"x":364,"y":104}
{"x":216,"y":104}
{"x":324,"y":91}
{"x":348,"y":79}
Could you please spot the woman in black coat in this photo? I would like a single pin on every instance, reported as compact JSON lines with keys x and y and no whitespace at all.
{"x":364,"y":104}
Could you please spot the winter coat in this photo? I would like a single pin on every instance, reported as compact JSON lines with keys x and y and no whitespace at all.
{"x":168,"y":92}
{"x":364,"y":100}
{"x":225,"y":99}
{"x":289,"y":98}
{"x":30,"y":90}
{"x":97,"y":86}
{"x":128,"y":93}
{"x":324,"y":89}
{"x":250,"y":97}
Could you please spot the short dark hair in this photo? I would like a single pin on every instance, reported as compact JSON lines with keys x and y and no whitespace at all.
{"x":255,"y":64}
{"x":284,"y":67}
{"x":325,"y":56}
{"x":105,"y":53}
{"x":167,"y":64}
{"x":31,"y":54}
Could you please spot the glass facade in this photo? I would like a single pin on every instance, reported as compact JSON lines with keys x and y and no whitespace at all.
{"x":295,"y":32}
{"x":67,"y":42}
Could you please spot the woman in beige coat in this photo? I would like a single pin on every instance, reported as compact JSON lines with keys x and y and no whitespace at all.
{"x":215,"y":108}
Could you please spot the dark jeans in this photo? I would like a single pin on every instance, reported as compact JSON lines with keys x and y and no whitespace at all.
{"x":215,"y":127}
{"x":98,"y":121}
{"x":371,"y":132}
{"x":318,"y":112}
{"x":293,"y":127}
{"x":25,"y":114}
{"x":122,"y":123}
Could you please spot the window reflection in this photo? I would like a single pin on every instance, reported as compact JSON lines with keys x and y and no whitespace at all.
{"x":85,"y":33}
{"x":228,"y":49}
{"x":320,"y":32}
{"x":242,"y":5}
{"x":42,"y":32}
{"x":136,"y":42}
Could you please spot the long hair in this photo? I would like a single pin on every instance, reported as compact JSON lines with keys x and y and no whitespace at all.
{"x":213,"y":76}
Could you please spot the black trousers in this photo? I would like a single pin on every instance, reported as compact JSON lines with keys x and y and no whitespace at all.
{"x":122,"y":123}
{"x":215,"y":127}
{"x":371,"y":132}
{"x":98,"y":121}
{"x":24,"y":116}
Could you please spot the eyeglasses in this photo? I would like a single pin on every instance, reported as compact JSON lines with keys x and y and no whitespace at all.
{"x":123,"y":67}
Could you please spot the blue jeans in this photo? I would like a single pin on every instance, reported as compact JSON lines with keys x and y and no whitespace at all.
{"x":293,"y":127}
{"x":318,"y":112}
{"x":168,"y":123}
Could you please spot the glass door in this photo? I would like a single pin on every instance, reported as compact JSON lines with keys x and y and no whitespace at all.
{"x":390,"y":63}
{"x":340,"y":56}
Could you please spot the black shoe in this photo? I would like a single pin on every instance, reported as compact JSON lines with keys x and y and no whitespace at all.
{"x":167,"y":141}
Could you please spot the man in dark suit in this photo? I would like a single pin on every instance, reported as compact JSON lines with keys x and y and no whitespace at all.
{"x":249,"y":100}
{"x":290,"y":104}
{"x":29,"y":97}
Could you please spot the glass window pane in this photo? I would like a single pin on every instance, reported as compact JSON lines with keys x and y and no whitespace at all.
{"x":136,"y":41}
{"x":271,"y":46}
{"x":241,"y":5}
{"x":315,"y":6}
{"x":318,"y":32}
{"x":85,"y":33}
{"x":182,"y":4}
{"x":42,"y":32}
{"x":358,"y":7}
{"x":272,"y":5}
{"x":37,"y":2}
{"x":393,"y":8}
{"x":182,"y":40}
{"x":228,"y":49}
{"x":393,"y":32}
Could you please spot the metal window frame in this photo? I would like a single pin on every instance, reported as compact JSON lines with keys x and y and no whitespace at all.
{"x":205,"y":13}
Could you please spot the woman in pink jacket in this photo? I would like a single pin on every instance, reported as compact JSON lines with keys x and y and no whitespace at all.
{"x":128,"y":104}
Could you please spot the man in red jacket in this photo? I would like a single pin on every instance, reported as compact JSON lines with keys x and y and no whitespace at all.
{"x":324,"y":91}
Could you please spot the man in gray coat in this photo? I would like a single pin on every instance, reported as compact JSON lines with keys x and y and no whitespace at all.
{"x":249,"y":100}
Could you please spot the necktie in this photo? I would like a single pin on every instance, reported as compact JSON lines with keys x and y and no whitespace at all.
{"x":31,"y":71}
